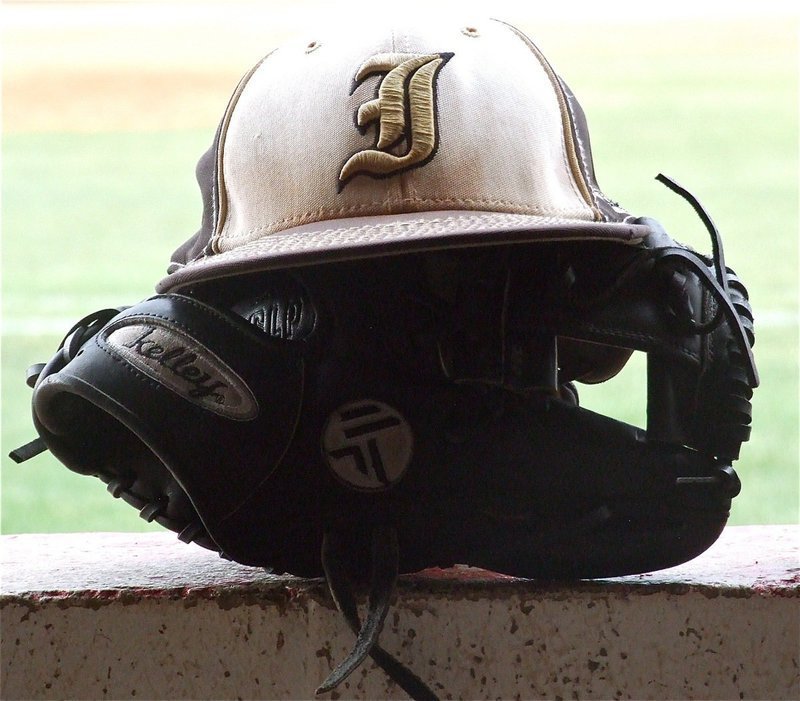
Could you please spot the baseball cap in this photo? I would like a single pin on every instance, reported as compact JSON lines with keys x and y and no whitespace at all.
{"x":381,"y":141}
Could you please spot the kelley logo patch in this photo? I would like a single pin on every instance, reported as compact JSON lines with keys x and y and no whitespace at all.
{"x":182,"y":364}
{"x":405,"y":110}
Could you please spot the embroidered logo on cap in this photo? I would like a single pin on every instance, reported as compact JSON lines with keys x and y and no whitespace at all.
{"x":405,"y":110}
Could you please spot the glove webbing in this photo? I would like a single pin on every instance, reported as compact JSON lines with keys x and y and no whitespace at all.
{"x":718,"y":287}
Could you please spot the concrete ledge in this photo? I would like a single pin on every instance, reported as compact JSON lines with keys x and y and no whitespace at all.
{"x":145,"y":616}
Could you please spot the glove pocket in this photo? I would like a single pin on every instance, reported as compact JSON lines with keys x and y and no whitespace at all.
{"x":179,"y":408}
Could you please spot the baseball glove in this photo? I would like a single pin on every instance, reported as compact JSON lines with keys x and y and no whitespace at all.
{"x":419,"y":410}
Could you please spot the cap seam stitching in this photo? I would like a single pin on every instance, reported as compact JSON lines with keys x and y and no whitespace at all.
{"x":243,"y":253}
{"x":468,"y":219}
{"x":221,"y":207}
{"x":472,"y":223}
{"x":581,"y":150}
{"x":309,"y":217}
{"x":566,"y":121}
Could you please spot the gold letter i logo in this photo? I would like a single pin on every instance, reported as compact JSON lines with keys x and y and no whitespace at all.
{"x":405,"y":112}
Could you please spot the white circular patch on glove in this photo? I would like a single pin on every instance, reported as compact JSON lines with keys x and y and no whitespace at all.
{"x":368,"y":445}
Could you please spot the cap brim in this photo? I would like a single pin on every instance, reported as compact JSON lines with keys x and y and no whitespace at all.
{"x":376,"y":236}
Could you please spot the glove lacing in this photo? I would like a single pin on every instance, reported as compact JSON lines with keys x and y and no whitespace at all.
{"x":385,"y":556}
{"x":67,"y":350}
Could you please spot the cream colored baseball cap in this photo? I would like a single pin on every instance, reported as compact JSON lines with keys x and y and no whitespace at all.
{"x":384,"y":141}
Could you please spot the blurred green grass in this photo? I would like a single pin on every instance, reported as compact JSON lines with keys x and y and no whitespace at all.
{"x":90,"y":220}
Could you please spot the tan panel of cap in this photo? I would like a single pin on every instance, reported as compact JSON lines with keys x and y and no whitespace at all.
{"x":501,"y":142}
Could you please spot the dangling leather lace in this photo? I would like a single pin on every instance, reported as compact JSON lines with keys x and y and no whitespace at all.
{"x":718,"y":284}
{"x":385,"y":557}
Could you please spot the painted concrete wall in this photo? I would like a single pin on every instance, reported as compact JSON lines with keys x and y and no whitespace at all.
{"x":146,"y":617}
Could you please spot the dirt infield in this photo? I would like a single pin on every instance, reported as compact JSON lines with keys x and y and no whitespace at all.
{"x":126,"y":65}
{"x":164,"y":64}
{"x":114,"y":100}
